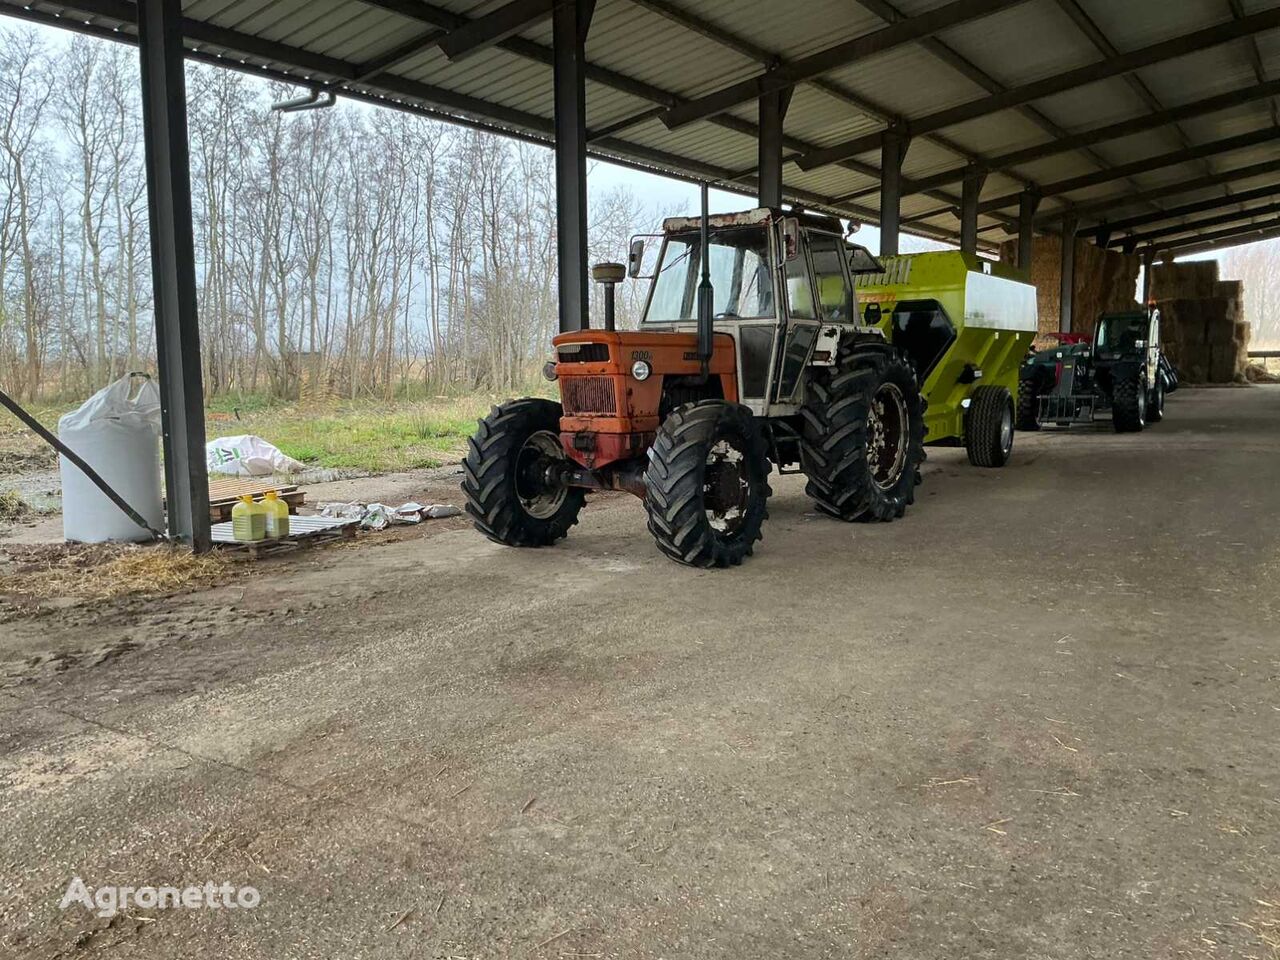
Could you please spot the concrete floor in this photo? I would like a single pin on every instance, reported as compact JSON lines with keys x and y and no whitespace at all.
{"x":1039,"y":717}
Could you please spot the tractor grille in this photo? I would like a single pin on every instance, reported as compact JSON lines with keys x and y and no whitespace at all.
{"x":587,"y":395}
{"x":584,"y":353}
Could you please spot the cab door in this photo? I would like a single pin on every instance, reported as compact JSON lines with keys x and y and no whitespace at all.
{"x":799,"y":330}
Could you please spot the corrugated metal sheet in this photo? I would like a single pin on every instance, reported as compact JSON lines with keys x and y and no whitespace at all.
{"x":657,"y":60}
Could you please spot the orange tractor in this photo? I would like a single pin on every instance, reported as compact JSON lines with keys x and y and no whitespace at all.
{"x":750,"y":354}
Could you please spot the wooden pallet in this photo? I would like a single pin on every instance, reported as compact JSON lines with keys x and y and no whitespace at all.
{"x":224,"y":494}
{"x":303,"y":532}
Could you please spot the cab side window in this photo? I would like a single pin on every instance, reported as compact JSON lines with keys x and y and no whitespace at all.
{"x":799,"y":290}
{"x":834,"y":293}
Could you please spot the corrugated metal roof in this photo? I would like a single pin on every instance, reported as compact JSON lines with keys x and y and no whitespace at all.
{"x":658,"y":53}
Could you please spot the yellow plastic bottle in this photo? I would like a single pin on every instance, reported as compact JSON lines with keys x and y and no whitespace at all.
{"x":248,"y":520}
{"x":277,"y":512}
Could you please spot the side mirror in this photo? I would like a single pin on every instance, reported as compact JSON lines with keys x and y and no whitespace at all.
{"x":635,"y":257}
{"x":790,"y":239}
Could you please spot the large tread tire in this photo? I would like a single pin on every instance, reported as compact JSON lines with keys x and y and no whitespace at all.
{"x":675,"y":496}
{"x":984,"y":426}
{"x":489,"y":476}
{"x":1155,"y":402}
{"x":1128,"y":405}
{"x":833,"y":452}
{"x":1028,"y":417}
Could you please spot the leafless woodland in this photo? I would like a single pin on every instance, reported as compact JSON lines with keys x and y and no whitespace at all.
{"x":361,"y":251}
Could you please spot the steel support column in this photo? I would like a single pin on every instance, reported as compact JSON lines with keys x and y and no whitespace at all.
{"x":173,"y":270}
{"x":1027,"y":205}
{"x":974,"y":178}
{"x":570,"y":23}
{"x":773,"y":110}
{"x":1148,"y":261}
{"x":892,"y":153}
{"x":1066,"y":291}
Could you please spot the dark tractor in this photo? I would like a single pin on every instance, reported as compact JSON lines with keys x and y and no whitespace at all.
{"x":1120,"y":369}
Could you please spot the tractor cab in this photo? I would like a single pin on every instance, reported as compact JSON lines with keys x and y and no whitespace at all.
{"x":778,"y":279}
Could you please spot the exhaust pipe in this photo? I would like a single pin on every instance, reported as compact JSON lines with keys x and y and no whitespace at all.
{"x":706,"y":319}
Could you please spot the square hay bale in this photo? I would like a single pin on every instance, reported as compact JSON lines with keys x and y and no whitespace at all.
{"x":1222,"y":362}
{"x":1181,"y":321}
{"x":1220,"y":327}
{"x":1229,"y":289}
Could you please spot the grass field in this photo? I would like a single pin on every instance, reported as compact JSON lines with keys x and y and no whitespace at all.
{"x":373,"y":436}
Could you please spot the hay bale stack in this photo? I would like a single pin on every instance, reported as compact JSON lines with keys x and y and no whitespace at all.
{"x":1205,"y":338}
{"x":1196,"y":280}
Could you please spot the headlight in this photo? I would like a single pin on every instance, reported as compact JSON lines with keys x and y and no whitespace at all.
{"x":641,"y":370}
{"x":549,"y":370}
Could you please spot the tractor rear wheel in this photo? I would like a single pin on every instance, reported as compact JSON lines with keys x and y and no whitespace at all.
{"x":1129,"y":404}
{"x":707,"y":484}
{"x":988,"y":427}
{"x":863,"y":435}
{"x":508,"y":476}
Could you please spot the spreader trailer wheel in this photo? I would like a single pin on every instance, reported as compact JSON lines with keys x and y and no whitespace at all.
{"x":988,"y":426}
{"x":707,"y":484}
{"x":514,"y":487}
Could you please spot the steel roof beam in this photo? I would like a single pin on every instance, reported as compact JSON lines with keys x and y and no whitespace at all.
{"x":1111,"y":131}
{"x":746,"y":48}
{"x":1135,"y":83}
{"x":1104,"y":46}
{"x":1124,"y":171}
{"x":439,"y":17}
{"x":967,"y":68}
{"x":833,"y":58}
{"x":1190,"y":226}
{"x":1169,"y":190}
{"x":1200,"y":206}
{"x":492,"y":28}
{"x":1219,"y":236}
{"x":1059,"y":83}
{"x":1234,"y":241}
{"x":1255,"y":58}
{"x":769,"y":60}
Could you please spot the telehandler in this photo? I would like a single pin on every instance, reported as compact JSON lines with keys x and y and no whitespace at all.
{"x":750,"y":353}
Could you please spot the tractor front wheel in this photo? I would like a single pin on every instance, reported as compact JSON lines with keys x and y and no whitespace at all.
{"x":1155,"y":402}
{"x":863,"y":436}
{"x":509,"y":476}
{"x":988,"y":427}
{"x":707,"y":484}
{"x":1129,"y":404}
{"x":1028,"y":405}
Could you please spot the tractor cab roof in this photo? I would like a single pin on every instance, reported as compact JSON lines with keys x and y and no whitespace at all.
{"x":749,"y":218}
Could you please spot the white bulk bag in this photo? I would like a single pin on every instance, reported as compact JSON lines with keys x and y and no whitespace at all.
{"x":248,"y":456}
{"x":118,"y":435}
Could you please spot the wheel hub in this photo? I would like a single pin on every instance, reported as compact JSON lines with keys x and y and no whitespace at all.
{"x":725,"y":488}
{"x":540,"y":494}
{"x":887,"y":435}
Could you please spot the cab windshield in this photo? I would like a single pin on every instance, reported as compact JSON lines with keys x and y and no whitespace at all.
{"x":1121,"y":333}
{"x":740,"y":276}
